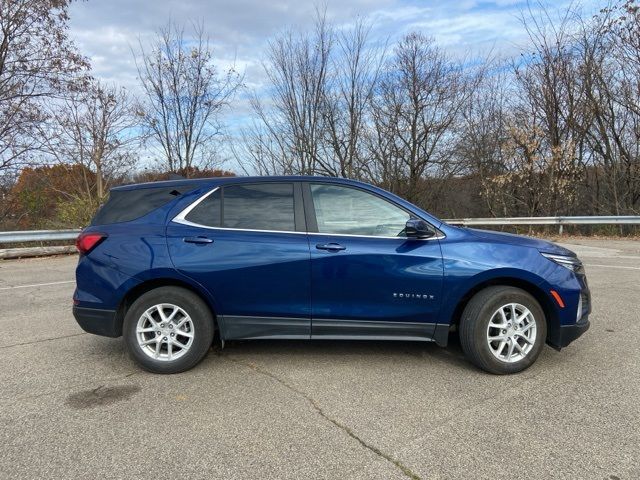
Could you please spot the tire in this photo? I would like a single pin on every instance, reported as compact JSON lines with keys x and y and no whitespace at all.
{"x":493,"y":306}
{"x":176,"y":318}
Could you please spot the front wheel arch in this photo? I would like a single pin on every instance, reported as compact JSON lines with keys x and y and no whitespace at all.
{"x":549,"y":309}
{"x":485,"y":335}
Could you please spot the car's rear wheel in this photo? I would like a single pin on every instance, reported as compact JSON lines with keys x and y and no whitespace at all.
{"x":502,"y":330}
{"x":168,"y":330}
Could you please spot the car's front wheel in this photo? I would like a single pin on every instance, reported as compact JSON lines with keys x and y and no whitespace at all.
{"x":168,"y":330}
{"x":502,"y":329}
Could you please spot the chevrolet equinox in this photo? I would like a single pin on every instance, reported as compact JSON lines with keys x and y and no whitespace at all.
{"x":168,"y":265}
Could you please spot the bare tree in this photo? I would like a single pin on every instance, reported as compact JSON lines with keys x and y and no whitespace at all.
{"x":626,"y":94}
{"x":611,"y":124}
{"x":38,"y":61}
{"x":288,"y":133}
{"x":480,"y":145}
{"x":184,"y":96}
{"x":417,"y":109}
{"x":96,"y":129}
{"x":353,"y":75}
{"x":541,"y":151}
{"x":551,"y":101}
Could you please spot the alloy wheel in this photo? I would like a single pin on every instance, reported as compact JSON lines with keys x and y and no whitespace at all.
{"x":511,"y":333}
{"x":165,"y":332}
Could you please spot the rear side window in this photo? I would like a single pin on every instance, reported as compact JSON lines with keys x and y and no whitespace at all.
{"x":267,"y":206}
{"x":262,"y":206}
{"x":127,"y":205}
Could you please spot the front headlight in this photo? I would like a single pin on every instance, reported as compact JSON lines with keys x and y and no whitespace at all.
{"x":572,"y":263}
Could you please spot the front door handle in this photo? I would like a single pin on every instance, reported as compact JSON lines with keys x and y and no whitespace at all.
{"x":198,"y":240}
{"x":332,"y":247}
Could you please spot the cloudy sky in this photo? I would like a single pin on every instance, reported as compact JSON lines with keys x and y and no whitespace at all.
{"x":108,"y":30}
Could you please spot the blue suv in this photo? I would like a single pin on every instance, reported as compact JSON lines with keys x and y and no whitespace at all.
{"x":167,"y":265}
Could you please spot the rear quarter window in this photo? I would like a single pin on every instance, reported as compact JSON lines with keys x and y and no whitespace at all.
{"x":127,"y":205}
{"x":207,"y":212}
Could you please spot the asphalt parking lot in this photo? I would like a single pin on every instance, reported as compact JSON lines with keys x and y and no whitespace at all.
{"x":72,"y":405}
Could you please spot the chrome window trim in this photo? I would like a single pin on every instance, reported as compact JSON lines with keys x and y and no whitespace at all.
{"x":180,"y":218}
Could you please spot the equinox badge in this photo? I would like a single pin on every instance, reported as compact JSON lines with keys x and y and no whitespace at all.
{"x":422,"y":296}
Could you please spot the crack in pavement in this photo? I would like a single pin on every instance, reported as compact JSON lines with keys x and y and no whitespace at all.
{"x":42,"y":340}
{"x":397,"y":463}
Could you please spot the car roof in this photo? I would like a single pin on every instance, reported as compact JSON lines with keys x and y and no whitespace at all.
{"x":200,"y":182}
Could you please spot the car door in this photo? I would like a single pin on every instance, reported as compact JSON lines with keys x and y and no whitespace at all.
{"x":368,"y":279}
{"x":246,"y":244}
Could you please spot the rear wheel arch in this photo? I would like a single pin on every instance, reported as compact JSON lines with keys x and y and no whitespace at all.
{"x":168,"y":329}
{"x":136,"y":292}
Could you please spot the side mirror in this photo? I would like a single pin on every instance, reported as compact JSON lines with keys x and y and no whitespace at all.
{"x":416,"y":228}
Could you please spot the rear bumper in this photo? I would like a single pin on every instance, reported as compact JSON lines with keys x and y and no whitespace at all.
{"x":98,"y":321}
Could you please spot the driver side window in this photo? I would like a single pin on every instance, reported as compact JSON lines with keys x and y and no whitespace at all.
{"x":345,"y":210}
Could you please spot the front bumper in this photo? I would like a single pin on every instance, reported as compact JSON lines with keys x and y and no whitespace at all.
{"x":98,"y":321}
{"x":568,"y":333}
{"x":561,"y":337}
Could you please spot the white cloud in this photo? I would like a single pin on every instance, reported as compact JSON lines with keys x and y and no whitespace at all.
{"x":106,"y":31}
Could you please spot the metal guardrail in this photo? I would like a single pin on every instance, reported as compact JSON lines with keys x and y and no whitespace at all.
{"x":561,"y":221}
{"x":27,"y":236}
{"x":48,"y":235}
{"x":591,"y":220}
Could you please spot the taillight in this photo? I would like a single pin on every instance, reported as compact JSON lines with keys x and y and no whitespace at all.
{"x":88,"y":241}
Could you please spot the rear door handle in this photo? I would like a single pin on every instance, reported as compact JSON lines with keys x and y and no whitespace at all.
{"x":198,"y":240}
{"x":332,"y":247}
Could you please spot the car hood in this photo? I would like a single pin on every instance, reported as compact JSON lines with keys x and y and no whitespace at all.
{"x":511,"y":239}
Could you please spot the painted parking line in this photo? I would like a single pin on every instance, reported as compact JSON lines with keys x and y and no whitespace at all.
{"x":611,"y":266}
{"x":37,"y":285}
